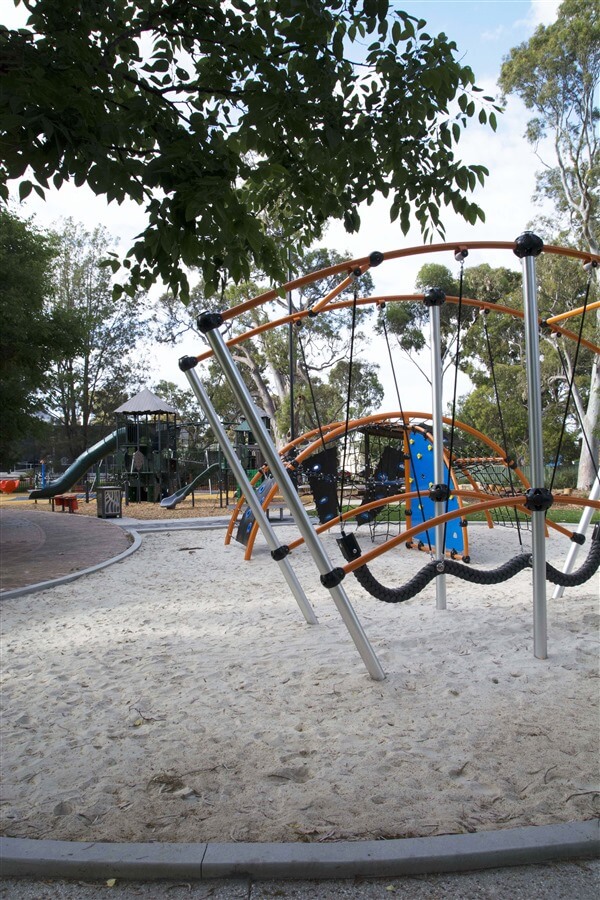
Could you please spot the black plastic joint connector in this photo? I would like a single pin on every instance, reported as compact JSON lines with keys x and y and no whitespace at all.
{"x":280,"y":553}
{"x":578,"y":538}
{"x":439,"y":493}
{"x":434,"y":297}
{"x":208,"y":321}
{"x":375,"y":258}
{"x":333,"y":578}
{"x":349,"y":546}
{"x":312,"y":314}
{"x":510,"y":461}
{"x":187,"y":362}
{"x":357,"y":272}
{"x":528,"y":244}
{"x":538,"y":499}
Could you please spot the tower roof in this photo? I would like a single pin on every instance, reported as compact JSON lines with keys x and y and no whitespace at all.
{"x":145,"y":402}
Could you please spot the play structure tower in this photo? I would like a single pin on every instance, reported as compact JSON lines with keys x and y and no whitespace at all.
{"x":147,"y":447}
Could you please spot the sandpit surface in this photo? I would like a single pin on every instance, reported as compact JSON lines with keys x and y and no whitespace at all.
{"x":180,"y":696}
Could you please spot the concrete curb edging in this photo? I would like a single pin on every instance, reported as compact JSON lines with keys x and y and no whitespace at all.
{"x":73,"y":576}
{"x":23,"y":857}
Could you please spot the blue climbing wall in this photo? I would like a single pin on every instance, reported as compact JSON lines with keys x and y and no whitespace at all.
{"x":421,"y":477}
{"x":247,"y":520}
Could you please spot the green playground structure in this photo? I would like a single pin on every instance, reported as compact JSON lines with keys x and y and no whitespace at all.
{"x":77,"y":469}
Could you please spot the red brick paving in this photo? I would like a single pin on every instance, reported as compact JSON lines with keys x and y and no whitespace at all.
{"x":38,"y":545}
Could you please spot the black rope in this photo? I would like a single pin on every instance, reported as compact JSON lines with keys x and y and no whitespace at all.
{"x":410,"y":453}
{"x":585,"y":571}
{"x":476,"y":576}
{"x":348,"y":401}
{"x":571,"y":383}
{"x":501,"y":421}
{"x":449,"y":567}
{"x":310,"y":387}
{"x":460,"y":256}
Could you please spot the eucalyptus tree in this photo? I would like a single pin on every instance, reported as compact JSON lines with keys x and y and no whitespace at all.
{"x":307,"y":364}
{"x":557,"y":75}
{"x":106,"y":362}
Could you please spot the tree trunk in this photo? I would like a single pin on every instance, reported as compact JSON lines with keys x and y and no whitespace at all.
{"x":588,"y":462}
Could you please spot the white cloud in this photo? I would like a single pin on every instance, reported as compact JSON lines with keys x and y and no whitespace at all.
{"x":542,"y":12}
{"x":493,"y":35}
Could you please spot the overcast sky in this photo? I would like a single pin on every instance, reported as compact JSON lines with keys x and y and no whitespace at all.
{"x":484,"y":32}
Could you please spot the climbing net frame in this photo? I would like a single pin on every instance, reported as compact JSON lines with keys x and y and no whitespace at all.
{"x":535,"y":500}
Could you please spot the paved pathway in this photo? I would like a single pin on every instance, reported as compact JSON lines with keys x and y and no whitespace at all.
{"x":38,"y":545}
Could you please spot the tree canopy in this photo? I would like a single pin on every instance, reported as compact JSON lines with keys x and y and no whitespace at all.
{"x":311,"y":362}
{"x":33,"y":334}
{"x":211,"y":114}
{"x":88,"y":383}
{"x":557,"y":75}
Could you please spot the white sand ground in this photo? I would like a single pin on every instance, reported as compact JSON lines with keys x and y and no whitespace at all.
{"x":180,"y":696}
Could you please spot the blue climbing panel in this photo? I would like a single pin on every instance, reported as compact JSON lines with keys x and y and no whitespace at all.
{"x":421,"y":478}
{"x":247,"y":520}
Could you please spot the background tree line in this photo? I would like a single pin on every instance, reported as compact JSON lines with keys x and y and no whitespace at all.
{"x":191,"y":144}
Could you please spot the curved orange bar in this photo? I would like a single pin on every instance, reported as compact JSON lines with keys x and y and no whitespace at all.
{"x":573,"y":312}
{"x":394,"y":298}
{"x":424,"y":526}
{"x":335,"y":430}
{"x":237,"y":508}
{"x":337,"y":290}
{"x":378,"y":417}
{"x":365,"y":262}
{"x":254,"y":530}
{"x":447,"y":517}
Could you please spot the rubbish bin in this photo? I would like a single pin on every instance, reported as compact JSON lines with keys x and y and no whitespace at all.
{"x":110,"y":502}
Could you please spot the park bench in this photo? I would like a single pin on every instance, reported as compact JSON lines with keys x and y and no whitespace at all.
{"x":277,"y":504}
{"x":65,"y":501}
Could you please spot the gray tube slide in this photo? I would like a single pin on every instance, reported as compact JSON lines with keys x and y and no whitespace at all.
{"x":77,"y":469}
{"x":172,"y":501}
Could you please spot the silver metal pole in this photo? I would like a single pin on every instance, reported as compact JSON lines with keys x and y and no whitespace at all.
{"x":434,"y":299}
{"x":330,"y":577}
{"x":242,"y":479}
{"x":583,"y":526}
{"x":527,"y":247}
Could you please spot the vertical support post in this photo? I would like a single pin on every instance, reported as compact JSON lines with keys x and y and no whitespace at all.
{"x":330,"y":577}
{"x":583,"y":526}
{"x":434,"y":299}
{"x":187,"y":364}
{"x":527,"y":247}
